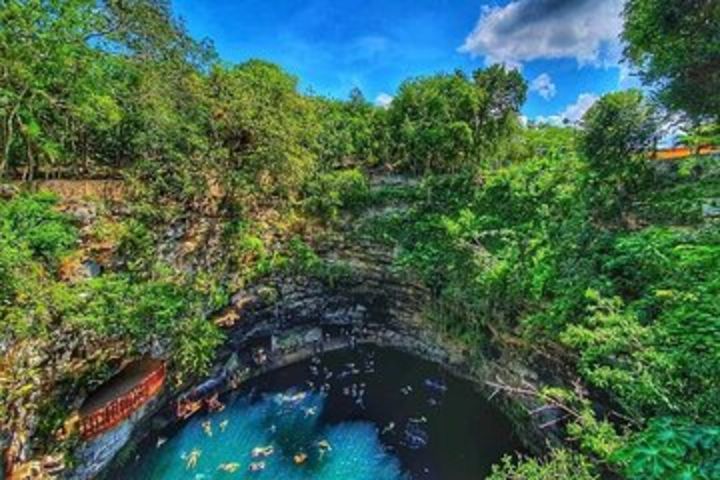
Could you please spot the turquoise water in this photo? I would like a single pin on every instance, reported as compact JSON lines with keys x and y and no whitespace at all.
{"x":291,"y":426}
{"x":384,"y":415}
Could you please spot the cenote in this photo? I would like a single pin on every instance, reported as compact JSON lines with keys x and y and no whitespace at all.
{"x":367,"y":413}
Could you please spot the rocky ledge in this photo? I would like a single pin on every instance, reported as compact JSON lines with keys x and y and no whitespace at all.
{"x":294,"y":317}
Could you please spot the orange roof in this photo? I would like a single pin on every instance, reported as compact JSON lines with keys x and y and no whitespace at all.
{"x":682,"y":152}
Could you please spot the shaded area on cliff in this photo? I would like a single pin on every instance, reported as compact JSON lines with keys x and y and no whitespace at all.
{"x":371,"y":404}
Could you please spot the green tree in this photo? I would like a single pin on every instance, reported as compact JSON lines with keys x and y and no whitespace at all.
{"x":506,"y":92}
{"x":261,"y":129}
{"x":617,"y":132}
{"x":445,"y":123}
{"x":701,"y":136}
{"x":348,"y":131}
{"x":676,"y":47}
{"x":83,"y":82}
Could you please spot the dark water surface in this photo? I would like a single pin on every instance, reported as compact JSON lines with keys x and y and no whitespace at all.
{"x":364,"y":414}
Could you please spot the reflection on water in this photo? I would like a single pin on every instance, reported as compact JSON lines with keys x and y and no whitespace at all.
{"x":369,"y":413}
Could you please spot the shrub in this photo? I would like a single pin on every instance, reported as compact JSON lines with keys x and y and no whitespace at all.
{"x":672,"y":449}
{"x":329,"y":193}
{"x":559,"y":465}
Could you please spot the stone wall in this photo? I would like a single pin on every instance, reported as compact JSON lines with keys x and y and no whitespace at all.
{"x":97,"y":453}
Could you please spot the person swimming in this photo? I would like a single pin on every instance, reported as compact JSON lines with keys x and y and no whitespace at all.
{"x":388,"y":428}
{"x":207,"y":428}
{"x":324,"y":447}
{"x":229,"y":467}
{"x":223,"y":425}
{"x":192,"y":458}
{"x":257,"y":466}
{"x":300,"y":458}
{"x":262,"y":451}
{"x":291,"y":398}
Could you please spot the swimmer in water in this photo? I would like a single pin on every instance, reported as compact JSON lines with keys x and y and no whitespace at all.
{"x":192,"y":458}
{"x":257,"y":466}
{"x":229,"y":467}
{"x":262,"y":451}
{"x":160,"y":442}
{"x":324,"y":447}
{"x":389,"y":428}
{"x":207,"y":428}
{"x":223,"y":425}
{"x":300,"y":458}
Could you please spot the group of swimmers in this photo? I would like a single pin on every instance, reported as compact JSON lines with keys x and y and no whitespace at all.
{"x":259,"y":454}
{"x":413,"y":435}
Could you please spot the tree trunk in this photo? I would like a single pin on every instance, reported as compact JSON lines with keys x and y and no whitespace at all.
{"x":7,"y":140}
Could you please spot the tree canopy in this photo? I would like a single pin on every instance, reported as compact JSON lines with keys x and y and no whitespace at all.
{"x":676,"y":47}
{"x":562,"y":243}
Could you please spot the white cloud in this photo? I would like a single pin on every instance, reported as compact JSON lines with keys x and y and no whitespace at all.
{"x":544,"y":86}
{"x":573,"y":113}
{"x":383,"y":100}
{"x":524,"y":30}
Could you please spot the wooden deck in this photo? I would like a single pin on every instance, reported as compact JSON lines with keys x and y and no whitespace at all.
{"x":121,"y":396}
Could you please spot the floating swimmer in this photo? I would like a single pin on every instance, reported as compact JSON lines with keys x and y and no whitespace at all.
{"x":295,"y":398}
{"x":310,"y":412}
{"x":414,"y":437}
{"x":388,"y":428}
{"x":207,"y":428}
{"x":223,"y":425}
{"x":192,"y":458}
{"x":257,"y":466}
{"x":324,"y":446}
{"x":229,"y":467}
{"x":435,"y":385}
{"x":262,"y":451}
{"x":300,"y":458}
{"x":160,"y":442}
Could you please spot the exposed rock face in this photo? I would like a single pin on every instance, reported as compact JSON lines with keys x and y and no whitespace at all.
{"x":378,"y":306}
{"x":96,"y":454}
{"x":372,"y":304}
{"x":296,"y":316}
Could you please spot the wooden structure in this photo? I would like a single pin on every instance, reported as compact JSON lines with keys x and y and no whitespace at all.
{"x":678,"y":153}
{"x":121,"y":396}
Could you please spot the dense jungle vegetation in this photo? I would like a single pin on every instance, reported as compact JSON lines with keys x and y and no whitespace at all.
{"x":566,"y":242}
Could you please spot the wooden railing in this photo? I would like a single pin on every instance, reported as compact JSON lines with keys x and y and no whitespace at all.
{"x":119,"y":409}
{"x":678,"y":153}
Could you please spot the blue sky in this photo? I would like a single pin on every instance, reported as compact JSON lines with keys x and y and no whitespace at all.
{"x":566,"y":49}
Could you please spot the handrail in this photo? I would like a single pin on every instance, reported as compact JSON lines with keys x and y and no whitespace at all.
{"x":121,"y":408}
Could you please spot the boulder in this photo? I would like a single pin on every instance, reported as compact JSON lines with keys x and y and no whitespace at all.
{"x":7,"y":191}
